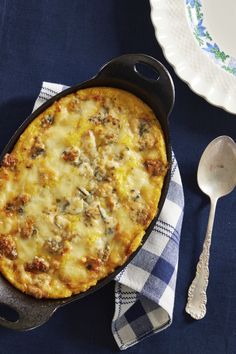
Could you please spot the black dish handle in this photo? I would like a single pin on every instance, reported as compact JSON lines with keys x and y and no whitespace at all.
{"x":31,"y":312}
{"x":124,"y":68}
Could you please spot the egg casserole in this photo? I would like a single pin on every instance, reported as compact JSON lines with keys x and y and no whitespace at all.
{"x":78,"y":191}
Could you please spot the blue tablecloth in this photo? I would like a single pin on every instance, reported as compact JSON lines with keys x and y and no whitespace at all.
{"x":67,"y":41}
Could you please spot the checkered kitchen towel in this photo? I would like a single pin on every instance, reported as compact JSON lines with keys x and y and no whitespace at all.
{"x":145,"y":289}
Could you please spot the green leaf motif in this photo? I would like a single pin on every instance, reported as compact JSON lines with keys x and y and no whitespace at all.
{"x":220,"y":55}
{"x":208,"y":36}
{"x":196,"y":34}
{"x":190,"y":14}
{"x":198,"y":11}
{"x":230,"y":70}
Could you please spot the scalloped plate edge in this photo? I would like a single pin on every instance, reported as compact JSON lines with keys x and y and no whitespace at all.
{"x":190,"y":63}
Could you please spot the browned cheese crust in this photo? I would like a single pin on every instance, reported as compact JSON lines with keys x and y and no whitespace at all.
{"x":78,"y":191}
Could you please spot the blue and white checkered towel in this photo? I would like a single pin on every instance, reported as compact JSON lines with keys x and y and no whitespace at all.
{"x":145,"y":289}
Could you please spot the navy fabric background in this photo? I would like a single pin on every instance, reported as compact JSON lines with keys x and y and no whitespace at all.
{"x":66,"y":42}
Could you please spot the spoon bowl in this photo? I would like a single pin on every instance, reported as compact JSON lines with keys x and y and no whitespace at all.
{"x":216,"y":174}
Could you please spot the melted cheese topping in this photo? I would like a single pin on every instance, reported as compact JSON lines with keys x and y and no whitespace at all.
{"x":78,"y":191}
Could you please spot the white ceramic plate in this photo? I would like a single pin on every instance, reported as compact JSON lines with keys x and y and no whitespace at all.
{"x":198,"y":38}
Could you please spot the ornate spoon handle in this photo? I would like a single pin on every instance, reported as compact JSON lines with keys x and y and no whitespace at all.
{"x":197,"y":298}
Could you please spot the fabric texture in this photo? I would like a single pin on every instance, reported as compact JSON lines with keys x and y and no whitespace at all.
{"x":145,"y":289}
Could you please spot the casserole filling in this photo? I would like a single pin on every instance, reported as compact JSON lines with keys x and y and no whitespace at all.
{"x":78,"y":191}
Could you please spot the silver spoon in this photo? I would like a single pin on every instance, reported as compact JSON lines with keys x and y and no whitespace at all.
{"x":216,"y":178}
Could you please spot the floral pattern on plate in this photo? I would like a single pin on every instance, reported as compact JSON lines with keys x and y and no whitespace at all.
{"x":204,"y":39}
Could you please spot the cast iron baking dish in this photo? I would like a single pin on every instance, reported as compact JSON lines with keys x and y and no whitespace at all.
{"x":158,"y":93}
